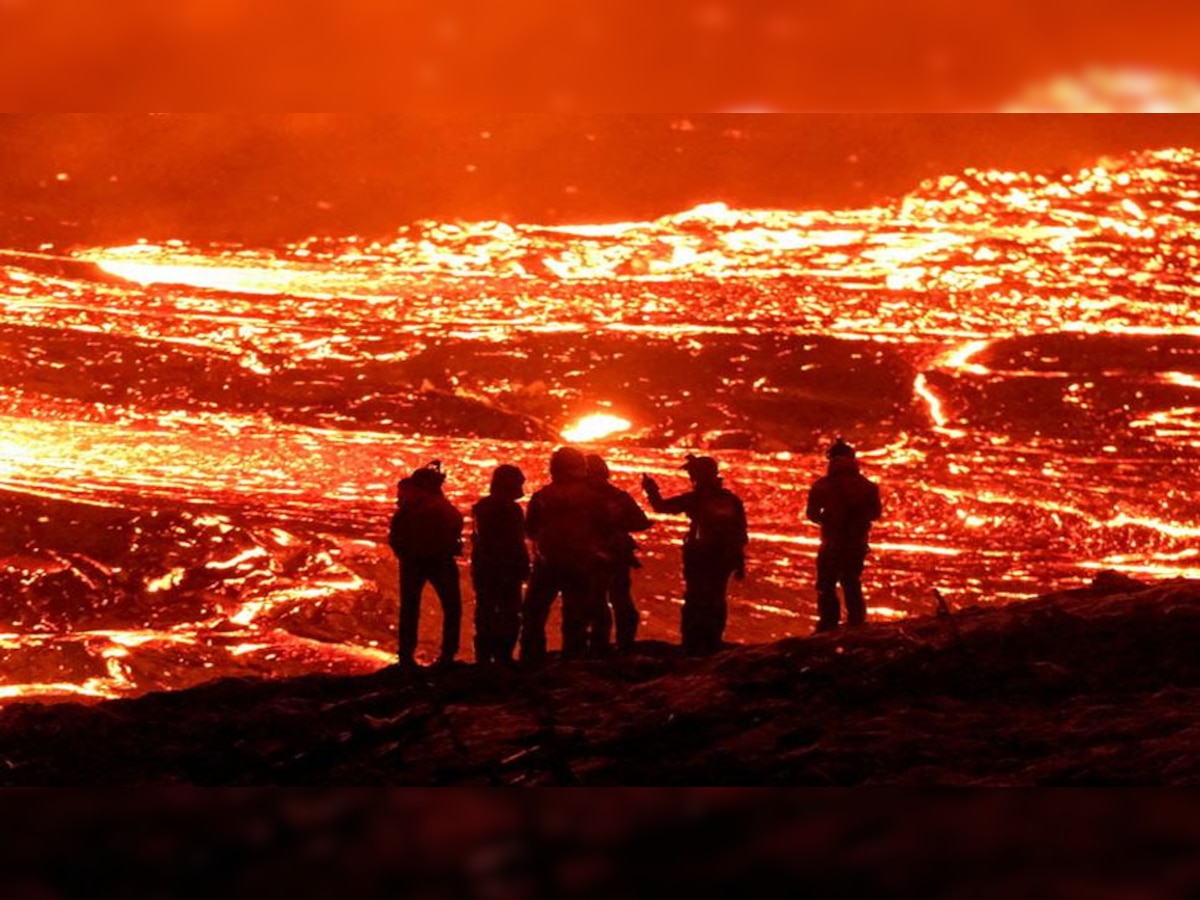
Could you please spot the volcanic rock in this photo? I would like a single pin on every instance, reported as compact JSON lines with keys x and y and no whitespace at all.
{"x":1093,"y":686}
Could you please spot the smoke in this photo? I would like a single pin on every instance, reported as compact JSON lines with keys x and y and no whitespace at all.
{"x":542,"y":110}
{"x":587,"y":56}
{"x":78,"y":179}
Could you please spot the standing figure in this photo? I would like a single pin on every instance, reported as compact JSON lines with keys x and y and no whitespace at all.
{"x":844,"y":504}
{"x":567,"y":522}
{"x":499,"y":566}
{"x":620,"y":552}
{"x":713,"y":550}
{"x":426,"y":536}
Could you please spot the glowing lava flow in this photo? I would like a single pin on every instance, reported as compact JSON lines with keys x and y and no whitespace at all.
{"x":957,"y":360}
{"x":148,"y":264}
{"x":932,"y":401}
{"x":227,"y":439}
{"x":595,"y":427}
{"x":937,"y":411}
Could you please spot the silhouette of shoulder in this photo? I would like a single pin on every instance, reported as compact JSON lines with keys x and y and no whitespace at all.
{"x":425,"y":524}
{"x":844,"y":504}
{"x":499,"y":532}
{"x":568,"y":521}
{"x":625,"y":513}
{"x":494,"y":515}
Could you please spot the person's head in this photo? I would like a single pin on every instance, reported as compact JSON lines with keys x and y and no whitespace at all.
{"x":839,"y":448}
{"x":428,"y":478}
{"x":702,"y":470}
{"x":597,"y":468}
{"x":841,"y":456}
{"x":567,"y":464}
{"x":508,"y":482}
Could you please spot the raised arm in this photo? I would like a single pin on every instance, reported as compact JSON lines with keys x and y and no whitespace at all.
{"x":666,"y":505}
{"x":632,"y":517}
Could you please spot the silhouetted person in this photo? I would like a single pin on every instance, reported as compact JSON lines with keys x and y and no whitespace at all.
{"x":426,"y":536}
{"x":567,"y":522}
{"x":844,"y":504}
{"x":713,"y":550}
{"x":499,"y":566}
{"x":620,"y":559}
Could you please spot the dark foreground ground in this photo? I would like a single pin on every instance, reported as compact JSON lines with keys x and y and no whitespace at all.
{"x":1096,"y":686}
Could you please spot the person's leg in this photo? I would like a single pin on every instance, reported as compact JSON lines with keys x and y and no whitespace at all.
{"x":580,"y":592}
{"x":507,"y":616}
{"x":851,"y":576}
{"x":708,"y":600}
{"x":690,"y":628}
{"x":719,"y":613}
{"x":534,"y":612}
{"x":486,"y":613}
{"x":445,"y":582}
{"x":412,"y":581}
{"x":624,"y":611}
{"x":829,"y":611}
{"x":601,"y":631}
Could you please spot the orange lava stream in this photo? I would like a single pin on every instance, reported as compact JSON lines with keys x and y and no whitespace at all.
{"x":237,"y":418}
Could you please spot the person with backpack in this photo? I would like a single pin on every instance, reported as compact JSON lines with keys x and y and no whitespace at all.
{"x":567,"y":522}
{"x":426,"y":536}
{"x":844,"y":503}
{"x":620,"y":559}
{"x":713,"y":550}
{"x":499,"y":566}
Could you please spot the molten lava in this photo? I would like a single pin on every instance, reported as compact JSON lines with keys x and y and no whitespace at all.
{"x":595,"y":427}
{"x":197,"y":463}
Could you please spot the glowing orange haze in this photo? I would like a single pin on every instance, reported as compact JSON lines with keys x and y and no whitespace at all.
{"x":553,"y":57}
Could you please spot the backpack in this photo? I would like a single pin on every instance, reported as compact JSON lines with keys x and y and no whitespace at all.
{"x":426,"y":526}
{"x":719,"y":521}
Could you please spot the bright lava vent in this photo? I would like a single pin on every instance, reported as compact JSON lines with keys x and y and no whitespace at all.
{"x":595,"y":427}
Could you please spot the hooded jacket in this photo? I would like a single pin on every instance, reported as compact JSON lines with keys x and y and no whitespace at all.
{"x":568,"y":523}
{"x":624,"y":516}
{"x":498,"y":538}
{"x":425,"y":525}
{"x":844,"y":503}
{"x":717,"y":528}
